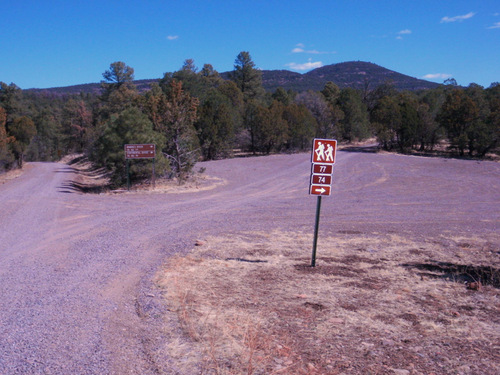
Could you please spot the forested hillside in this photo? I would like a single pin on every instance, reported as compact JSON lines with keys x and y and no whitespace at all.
{"x":198,"y":114}
{"x":356,"y":74}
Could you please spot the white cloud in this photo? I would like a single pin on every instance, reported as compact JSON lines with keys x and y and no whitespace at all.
{"x":403,"y":32}
{"x":437,"y":76}
{"x":305,"y":66}
{"x":457,"y":18}
{"x":172,"y":37}
{"x":496,"y":25}
{"x":300,"y":48}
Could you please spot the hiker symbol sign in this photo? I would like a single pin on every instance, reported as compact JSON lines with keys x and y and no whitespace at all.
{"x":323,"y":158}
{"x":324,"y":151}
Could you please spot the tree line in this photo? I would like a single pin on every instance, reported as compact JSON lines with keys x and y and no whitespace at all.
{"x":194,"y":114}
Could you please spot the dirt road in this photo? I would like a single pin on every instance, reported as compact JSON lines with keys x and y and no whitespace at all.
{"x":76,"y":270}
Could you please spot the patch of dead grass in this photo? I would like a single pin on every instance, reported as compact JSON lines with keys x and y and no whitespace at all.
{"x":251,"y":304}
{"x":13,"y":174}
{"x":195,"y":183}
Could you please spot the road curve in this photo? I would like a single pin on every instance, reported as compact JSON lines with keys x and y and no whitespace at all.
{"x":76,"y":269}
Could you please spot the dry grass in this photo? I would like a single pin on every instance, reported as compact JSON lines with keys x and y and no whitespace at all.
{"x":195,"y":183}
{"x":251,"y":304}
{"x":13,"y":174}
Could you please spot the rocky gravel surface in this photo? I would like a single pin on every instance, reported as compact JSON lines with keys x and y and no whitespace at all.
{"x":76,"y":270}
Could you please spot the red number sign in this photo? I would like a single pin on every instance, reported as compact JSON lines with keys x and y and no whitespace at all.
{"x":321,"y":180}
{"x":322,"y":169}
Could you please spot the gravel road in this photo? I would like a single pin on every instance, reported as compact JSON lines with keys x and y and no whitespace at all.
{"x":76,"y":269}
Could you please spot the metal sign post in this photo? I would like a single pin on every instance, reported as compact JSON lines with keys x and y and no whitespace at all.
{"x":322,"y":159}
{"x":316,"y":228}
{"x":128,"y":175}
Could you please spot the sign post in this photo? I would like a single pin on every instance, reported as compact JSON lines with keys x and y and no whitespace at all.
{"x":316,"y":228}
{"x":140,"y":151}
{"x":322,"y":159}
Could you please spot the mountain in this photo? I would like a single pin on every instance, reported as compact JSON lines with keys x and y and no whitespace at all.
{"x":89,"y":88}
{"x":355,"y":74}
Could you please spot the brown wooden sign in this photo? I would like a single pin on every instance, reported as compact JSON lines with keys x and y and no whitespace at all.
{"x":140,"y":151}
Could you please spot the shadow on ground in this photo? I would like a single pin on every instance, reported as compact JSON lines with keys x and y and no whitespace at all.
{"x":88,"y":179}
{"x":372,"y":149}
{"x":75,"y":187}
{"x":458,"y":272}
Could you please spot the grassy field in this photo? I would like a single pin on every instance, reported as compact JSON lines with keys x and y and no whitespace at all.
{"x":374,"y":304}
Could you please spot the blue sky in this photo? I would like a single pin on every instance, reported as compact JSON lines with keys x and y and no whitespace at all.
{"x":51,"y":43}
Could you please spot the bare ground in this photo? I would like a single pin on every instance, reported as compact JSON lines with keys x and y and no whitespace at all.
{"x":399,"y":239}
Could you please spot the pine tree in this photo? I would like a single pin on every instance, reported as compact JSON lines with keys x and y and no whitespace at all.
{"x":173,"y":114}
{"x":247,"y":77}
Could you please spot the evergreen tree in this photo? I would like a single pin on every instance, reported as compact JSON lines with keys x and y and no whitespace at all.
{"x":10,"y":100}
{"x":173,"y":114}
{"x":407,"y":131}
{"x":130,"y":127}
{"x":23,"y":130}
{"x":283,"y":96}
{"x":119,"y":92}
{"x":276,"y":135}
{"x":481,"y":136}
{"x":215,"y":125}
{"x":6,"y":156}
{"x":457,"y":116}
{"x":428,"y":131}
{"x":191,"y":81}
{"x":331,"y":93}
{"x":386,"y":120}
{"x":319,"y":108}
{"x":301,"y":126}
{"x":47,"y":143}
{"x":78,"y":125}
{"x":247,"y":77}
{"x":355,"y":123}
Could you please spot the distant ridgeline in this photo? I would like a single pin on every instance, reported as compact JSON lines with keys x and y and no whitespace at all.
{"x":355,"y":74}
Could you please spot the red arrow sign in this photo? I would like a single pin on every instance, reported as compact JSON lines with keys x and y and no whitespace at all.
{"x":320,"y":190}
